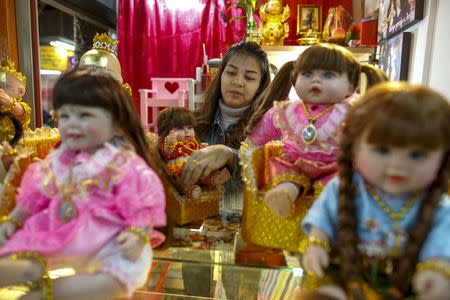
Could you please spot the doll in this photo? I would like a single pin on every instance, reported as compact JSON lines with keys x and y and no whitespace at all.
{"x":275,"y":28}
{"x":12,"y":89}
{"x":385,"y":217}
{"x":102,"y":55}
{"x":325,"y":77}
{"x":176,"y":144}
{"x":97,"y":183}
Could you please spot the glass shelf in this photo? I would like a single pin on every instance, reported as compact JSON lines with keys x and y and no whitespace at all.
{"x":210,"y":261}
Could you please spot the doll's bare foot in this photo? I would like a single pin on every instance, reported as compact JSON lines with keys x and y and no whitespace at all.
{"x":195,"y":192}
{"x":332,"y":292}
{"x":220,"y":177}
{"x":281,"y":198}
{"x":298,"y":294}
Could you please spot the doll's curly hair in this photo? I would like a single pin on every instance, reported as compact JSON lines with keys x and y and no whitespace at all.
{"x":397,"y":115}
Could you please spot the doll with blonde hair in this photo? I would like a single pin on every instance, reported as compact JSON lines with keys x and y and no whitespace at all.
{"x":378,"y":229}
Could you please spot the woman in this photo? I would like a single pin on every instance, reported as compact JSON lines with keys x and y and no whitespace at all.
{"x":228,"y":104}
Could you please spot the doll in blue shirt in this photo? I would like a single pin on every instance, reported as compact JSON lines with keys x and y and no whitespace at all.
{"x":381,"y":227}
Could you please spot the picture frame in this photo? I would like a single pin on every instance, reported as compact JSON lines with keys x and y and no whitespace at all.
{"x":309,"y":17}
{"x":398,"y":15}
{"x":394,"y":55}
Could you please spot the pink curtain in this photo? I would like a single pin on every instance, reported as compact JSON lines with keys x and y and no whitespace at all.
{"x":164,"y":38}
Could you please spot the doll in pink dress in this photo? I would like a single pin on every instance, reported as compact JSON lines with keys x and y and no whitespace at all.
{"x":92,"y":204}
{"x":325,"y":77}
{"x":176,"y":144}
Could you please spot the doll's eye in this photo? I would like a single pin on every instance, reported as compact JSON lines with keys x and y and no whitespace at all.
{"x":381,"y":150}
{"x":329,"y":74}
{"x":62,"y":116}
{"x":85,"y":115}
{"x":306,"y":74}
{"x":417,"y":154}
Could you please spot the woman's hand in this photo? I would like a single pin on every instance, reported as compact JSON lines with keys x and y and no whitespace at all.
{"x":205,"y":161}
{"x":130,"y":244}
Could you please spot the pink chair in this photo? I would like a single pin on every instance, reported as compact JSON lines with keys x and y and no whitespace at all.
{"x":165,"y":92}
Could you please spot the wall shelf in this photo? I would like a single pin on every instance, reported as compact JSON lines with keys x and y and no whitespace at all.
{"x":278,"y":55}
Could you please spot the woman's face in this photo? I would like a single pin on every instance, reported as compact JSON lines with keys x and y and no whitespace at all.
{"x":240,"y":80}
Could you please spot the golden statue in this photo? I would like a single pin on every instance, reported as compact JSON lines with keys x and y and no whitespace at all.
{"x":102,"y":55}
{"x":12,"y":89}
{"x":275,"y":27}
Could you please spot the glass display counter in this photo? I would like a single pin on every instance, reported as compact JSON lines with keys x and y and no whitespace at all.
{"x":210,"y":261}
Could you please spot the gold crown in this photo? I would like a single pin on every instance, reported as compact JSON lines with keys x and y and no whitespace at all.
{"x":9,"y":67}
{"x":104,"y":42}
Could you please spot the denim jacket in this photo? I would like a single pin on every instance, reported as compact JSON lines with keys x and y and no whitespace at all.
{"x":234,"y":187}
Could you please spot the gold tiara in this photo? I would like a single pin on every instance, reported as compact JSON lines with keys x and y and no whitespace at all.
{"x":104,"y":42}
{"x":9,"y":67}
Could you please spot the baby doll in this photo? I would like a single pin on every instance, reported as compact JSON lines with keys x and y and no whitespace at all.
{"x":325,"y":77}
{"x":12,"y":89}
{"x":177,"y":142}
{"x":386,"y":216}
{"x":98,"y":183}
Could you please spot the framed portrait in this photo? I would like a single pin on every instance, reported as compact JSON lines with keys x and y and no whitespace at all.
{"x":394,"y":56}
{"x":309,"y":17}
{"x":397,"y":15}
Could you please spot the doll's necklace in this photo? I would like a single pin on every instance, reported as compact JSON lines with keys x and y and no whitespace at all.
{"x":397,"y":237}
{"x":309,"y":132}
{"x":67,"y":208}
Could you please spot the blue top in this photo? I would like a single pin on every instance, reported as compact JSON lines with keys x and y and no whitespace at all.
{"x":374,"y":226}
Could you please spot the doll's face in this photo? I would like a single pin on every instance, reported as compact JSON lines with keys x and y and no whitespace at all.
{"x":85,"y":128}
{"x":12,"y":86}
{"x":180,"y":134}
{"x":323,"y":86}
{"x":275,"y":7}
{"x":397,"y":170}
{"x":240,"y":80}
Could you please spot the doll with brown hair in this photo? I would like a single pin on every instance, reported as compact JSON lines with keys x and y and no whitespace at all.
{"x":176,"y":144}
{"x":325,"y":77}
{"x":385,"y":217}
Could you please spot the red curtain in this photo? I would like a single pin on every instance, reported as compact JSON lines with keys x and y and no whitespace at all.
{"x":164,"y":38}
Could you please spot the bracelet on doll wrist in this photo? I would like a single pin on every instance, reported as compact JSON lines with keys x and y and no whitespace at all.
{"x":315,"y":241}
{"x":140,"y":233}
{"x":11,"y":107}
{"x":437,"y":266}
{"x":4,"y":219}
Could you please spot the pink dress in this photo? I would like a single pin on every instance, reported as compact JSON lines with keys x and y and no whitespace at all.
{"x":303,"y":163}
{"x":112,"y":189}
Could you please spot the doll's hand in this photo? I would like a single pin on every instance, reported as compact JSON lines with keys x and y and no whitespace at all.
{"x":315,"y":260}
{"x":7,"y":229}
{"x":430,"y":285}
{"x":5,"y":100}
{"x":130,"y":244}
{"x":205,"y":161}
{"x":281,"y":198}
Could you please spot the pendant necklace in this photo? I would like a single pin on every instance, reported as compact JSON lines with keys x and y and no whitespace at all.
{"x":397,"y":237}
{"x":309,"y":132}
{"x":67,"y":208}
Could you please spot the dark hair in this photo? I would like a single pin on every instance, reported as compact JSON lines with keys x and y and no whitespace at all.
{"x":400,"y":115}
{"x":278,"y":90}
{"x":374,"y":75}
{"x":174,"y":117}
{"x":93,"y":86}
{"x":328,"y":57}
{"x":205,"y":115}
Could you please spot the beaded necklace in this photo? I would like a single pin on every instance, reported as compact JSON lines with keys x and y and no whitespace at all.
{"x":309,"y":132}
{"x":395,"y":238}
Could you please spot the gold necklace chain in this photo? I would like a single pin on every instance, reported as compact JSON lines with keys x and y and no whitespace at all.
{"x":314,"y":118}
{"x":395,"y":216}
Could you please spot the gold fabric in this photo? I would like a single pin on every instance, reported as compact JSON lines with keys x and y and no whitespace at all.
{"x":260,"y":225}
